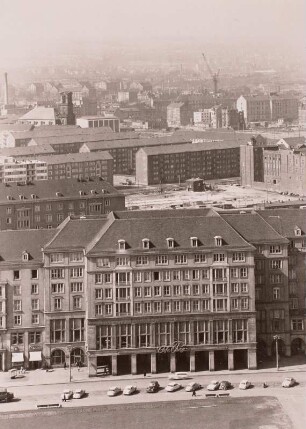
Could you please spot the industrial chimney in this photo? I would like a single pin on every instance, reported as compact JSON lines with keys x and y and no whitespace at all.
{"x":5,"y":89}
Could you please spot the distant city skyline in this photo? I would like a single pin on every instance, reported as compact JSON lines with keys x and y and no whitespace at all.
{"x":35,"y":28}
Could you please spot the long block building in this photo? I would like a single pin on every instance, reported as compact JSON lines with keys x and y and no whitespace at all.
{"x":154,"y":291}
{"x":46,"y":203}
{"x":79,"y":166}
{"x":208,"y":160}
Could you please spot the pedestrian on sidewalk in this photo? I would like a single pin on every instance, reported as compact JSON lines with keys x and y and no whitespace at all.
{"x":65,"y":365}
{"x":144,"y":374}
{"x":194,"y":394}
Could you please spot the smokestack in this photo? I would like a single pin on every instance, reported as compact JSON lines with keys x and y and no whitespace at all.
{"x":5,"y":89}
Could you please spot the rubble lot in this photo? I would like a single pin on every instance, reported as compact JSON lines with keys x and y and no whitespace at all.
{"x":175,"y":196}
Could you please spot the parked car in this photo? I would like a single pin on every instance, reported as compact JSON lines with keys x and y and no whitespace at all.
{"x":129,"y":390}
{"x":191,"y":387}
{"x":213,"y":385}
{"x":173,"y":387}
{"x":225,"y":385}
{"x":244,"y":384}
{"x":78,"y":394}
{"x":153,"y":387}
{"x":179,"y":376}
{"x":289,"y":382}
{"x":5,"y":396}
{"x":114,"y":391}
{"x":66,"y":395}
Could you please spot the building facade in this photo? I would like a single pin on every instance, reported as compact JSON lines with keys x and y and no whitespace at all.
{"x":79,"y":166}
{"x":46,"y":203}
{"x":21,"y":171}
{"x":209,"y":160}
{"x":110,"y":121}
{"x":276,"y":169}
{"x":158,"y":291}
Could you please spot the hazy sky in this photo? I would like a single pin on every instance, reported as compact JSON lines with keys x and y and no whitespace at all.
{"x":38,"y":25}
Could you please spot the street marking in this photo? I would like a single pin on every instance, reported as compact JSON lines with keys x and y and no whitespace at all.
{"x":203,"y":406}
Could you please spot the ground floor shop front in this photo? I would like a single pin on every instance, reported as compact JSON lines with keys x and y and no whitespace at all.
{"x":165,"y":361}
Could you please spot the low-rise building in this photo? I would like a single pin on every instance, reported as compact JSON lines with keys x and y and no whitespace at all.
{"x":46,"y":203}
{"x":110,"y":121}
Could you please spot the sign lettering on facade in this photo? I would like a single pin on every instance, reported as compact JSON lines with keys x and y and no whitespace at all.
{"x":177,"y":346}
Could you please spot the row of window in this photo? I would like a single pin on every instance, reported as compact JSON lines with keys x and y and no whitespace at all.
{"x":215,"y":305}
{"x":174,"y":275}
{"x":34,"y":319}
{"x":163,"y":334}
{"x":76,"y":303}
{"x":60,"y":287}
{"x":274,"y":264}
{"x":59,"y":273}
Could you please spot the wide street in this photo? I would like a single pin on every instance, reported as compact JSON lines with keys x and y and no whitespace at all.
{"x":291,"y":401}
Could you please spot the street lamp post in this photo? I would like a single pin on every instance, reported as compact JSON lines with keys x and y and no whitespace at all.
{"x":276,"y":338}
{"x":69,"y":347}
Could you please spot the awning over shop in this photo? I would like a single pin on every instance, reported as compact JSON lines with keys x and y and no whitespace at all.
{"x":17,"y":357}
{"x":35,"y":356}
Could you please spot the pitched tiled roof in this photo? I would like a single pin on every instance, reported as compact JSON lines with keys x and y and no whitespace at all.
{"x":27,"y":151}
{"x":141,"y":142}
{"x":63,"y":130}
{"x":47,"y":189}
{"x":159,"y":214}
{"x":285,"y":220}
{"x":293,"y":142}
{"x":253,"y":228}
{"x":13,"y":243}
{"x":74,"y":157}
{"x":191,"y":147}
{"x":39,"y":113}
{"x":80,"y":138}
{"x":158,"y":229}
{"x":15,"y":127}
{"x":76,"y":233}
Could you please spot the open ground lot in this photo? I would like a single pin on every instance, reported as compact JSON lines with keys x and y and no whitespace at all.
{"x":229,"y":413}
{"x":175,"y":196}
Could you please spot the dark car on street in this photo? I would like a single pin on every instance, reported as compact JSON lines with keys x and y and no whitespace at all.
{"x":153,"y":387}
{"x":225,"y":385}
{"x":5,"y":396}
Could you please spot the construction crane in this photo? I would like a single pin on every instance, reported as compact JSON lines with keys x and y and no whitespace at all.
{"x":215,"y":76}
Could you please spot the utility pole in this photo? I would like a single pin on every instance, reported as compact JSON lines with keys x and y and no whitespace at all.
{"x":69,"y":347}
{"x":276,"y":338}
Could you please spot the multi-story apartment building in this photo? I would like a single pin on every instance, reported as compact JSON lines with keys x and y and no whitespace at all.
{"x":156,"y":291}
{"x":124,"y":151}
{"x":15,"y":138}
{"x":291,"y":223}
{"x":46,"y":203}
{"x":21,"y":171}
{"x":174,"y":164}
{"x":271,"y":281}
{"x":110,"y":121}
{"x":178,"y":114}
{"x":268,"y":108}
{"x":73,"y":143}
{"x":79,"y":166}
{"x":22,"y":295}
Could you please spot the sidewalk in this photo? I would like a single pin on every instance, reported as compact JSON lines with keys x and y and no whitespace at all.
{"x":61,"y":375}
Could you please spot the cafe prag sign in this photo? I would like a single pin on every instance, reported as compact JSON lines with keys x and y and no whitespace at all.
{"x":176,"y":346}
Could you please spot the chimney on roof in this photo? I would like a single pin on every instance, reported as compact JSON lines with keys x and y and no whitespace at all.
{"x":5,"y":89}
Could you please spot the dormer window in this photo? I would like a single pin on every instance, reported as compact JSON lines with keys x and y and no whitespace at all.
{"x":146,"y":243}
{"x":170,"y":243}
{"x":121,"y":244}
{"x":297,"y":231}
{"x":194,"y":241}
{"x":25,"y":256}
{"x":218,"y":240}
